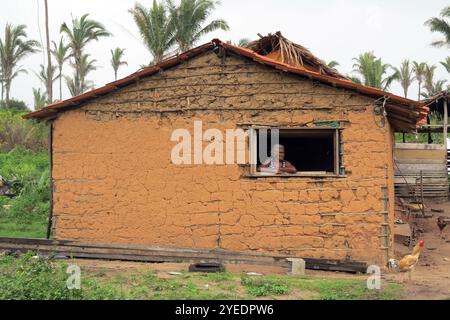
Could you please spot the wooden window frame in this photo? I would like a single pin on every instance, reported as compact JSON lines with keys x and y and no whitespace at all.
{"x":253,"y":153}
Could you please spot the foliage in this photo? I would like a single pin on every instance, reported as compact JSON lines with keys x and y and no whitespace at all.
{"x":264,"y":287}
{"x":373,"y":71}
{"x":14,"y":106}
{"x":29,"y":278}
{"x":116,"y":60}
{"x":432,"y":86}
{"x":441,"y":25}
{"x":82,"y":32}
{"x":28,"y":173}
{"x":40,"y":99}
{"x":17,"y":132}
{"x":446,"y":64}
{"x":61,"y":54}
{"x":419,"y":72}
{"x":13,"y":48}
{"x":405,"y":76}
{"x":155,"y":28}
{"x":189,"y":21}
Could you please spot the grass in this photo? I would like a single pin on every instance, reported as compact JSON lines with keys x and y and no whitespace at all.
{"x":25,"y":215}
{"x":27,"y":277}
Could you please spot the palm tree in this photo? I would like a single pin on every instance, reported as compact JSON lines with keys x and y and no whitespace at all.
{"x":431,"y":86}
{"x":83,"y":31}
{"x":419,"y":71}
{"x":446,"y":64}
{"x":405,"y":76}
{"x":373,"y":71}
{"x":116,"y":60}
{"x":189,"y":21}
{"x":13,"y":48}
{"x":40,"y":99}
{"x":43,"y":74}
{"x":49,"y":77}
{"x":442,"y":26}
{"x":333,"y":64}
{"x":155,"y":27}
{"x":78,"y":83}
{"x":61,"y":53}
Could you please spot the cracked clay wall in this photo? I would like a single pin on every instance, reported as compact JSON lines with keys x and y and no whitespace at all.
{"x":114,"y":181}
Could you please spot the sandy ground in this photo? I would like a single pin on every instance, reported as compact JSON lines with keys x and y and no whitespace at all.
{"x":430,"y":280}
{"x":431,"y":277}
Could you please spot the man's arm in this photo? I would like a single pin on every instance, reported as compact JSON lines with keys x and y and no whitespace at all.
{"x":289,"y":168}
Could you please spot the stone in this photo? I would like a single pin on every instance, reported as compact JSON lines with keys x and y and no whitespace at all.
{"x":297,"y":266}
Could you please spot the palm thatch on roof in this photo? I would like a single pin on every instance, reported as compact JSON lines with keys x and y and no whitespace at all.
{"x":277,"y":47}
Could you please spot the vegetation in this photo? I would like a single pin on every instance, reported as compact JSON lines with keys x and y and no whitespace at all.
{"x":13,"y":48}
{"x":405,"y":76}
{"x":441,"y":25}
{"x":82,"y":32}
{"x":29,"y":277}
{"x":61,"y":53}
{"x":189,"y":21}
{"x":155,"y":28}
{"x":24,"y":165}
{"x":373,"y":71}
{"x":116,"y":60}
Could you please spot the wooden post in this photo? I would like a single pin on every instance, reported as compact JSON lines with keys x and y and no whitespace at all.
{"x":421,"y":193}
{"x":445,"y":122}
{"x":50,"y":213}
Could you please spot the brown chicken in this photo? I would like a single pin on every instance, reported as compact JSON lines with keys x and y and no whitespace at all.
{"x":408,"y":262}
{"x":442,"y":223}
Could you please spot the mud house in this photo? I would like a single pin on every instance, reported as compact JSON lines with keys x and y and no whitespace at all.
{"x":114,"y":180}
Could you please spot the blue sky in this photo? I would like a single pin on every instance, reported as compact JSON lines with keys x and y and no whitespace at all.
{"x":331,"y":29}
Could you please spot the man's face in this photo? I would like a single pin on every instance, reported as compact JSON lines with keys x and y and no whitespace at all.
{"x":281,"y":153}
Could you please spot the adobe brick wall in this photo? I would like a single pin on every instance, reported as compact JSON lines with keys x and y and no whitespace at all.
{"x":114,"y":181}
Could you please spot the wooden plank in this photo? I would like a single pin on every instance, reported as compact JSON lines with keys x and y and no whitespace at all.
{"x":419,"y":161}
{"x":420,"y":154}
{"x":425,"y":167}
{"x":418,"y":146}
{"x":157,"y":254}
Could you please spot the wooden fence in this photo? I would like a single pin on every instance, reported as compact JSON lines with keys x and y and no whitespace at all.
{"x":421,"y":170}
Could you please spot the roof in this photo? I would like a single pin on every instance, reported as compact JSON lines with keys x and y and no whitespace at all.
{"x":277,"y":47}
{"x":404,"y":114}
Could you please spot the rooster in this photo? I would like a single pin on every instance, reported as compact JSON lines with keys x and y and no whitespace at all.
{"x":442,"y":223}
{"x":410,"y":261}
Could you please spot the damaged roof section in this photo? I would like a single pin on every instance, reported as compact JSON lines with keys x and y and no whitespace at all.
{"x":275,"y":51}
{"x":277,"y":47}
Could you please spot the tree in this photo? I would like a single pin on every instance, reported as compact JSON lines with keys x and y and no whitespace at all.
{"x":61,"y":53}
{"x":43,"y":74}
{"x":13,"y":48}
{"x":419,"y":71}
{"x":116,"y":60}
{"x":82,"y":32}
{"x":50,"y":69}
{"x":446,"y":64}
{"x":373,"y":71}
{"x":155,"y":27}
{"x":431,"y":86}
{"x":441,"y":25}
{"x":78,"y":83}
{"x":333,"y":64}
{"x":189,"y":20}
{"x":40,"y":99}
{"x":405,"y":76}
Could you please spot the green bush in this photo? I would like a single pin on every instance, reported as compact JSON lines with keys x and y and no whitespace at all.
{"x":29,"y":174}
{"x":262,"y":287}
{"x":18,"y":132}
{"x":29,"y":278}
{"x":14,"y":106}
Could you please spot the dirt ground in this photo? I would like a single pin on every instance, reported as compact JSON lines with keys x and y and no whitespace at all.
{"x":431,"y":277}
{"x":430,"y":280}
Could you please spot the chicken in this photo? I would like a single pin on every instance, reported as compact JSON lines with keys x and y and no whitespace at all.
{"x":442,"y":223}
{"x":408,"y":262}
